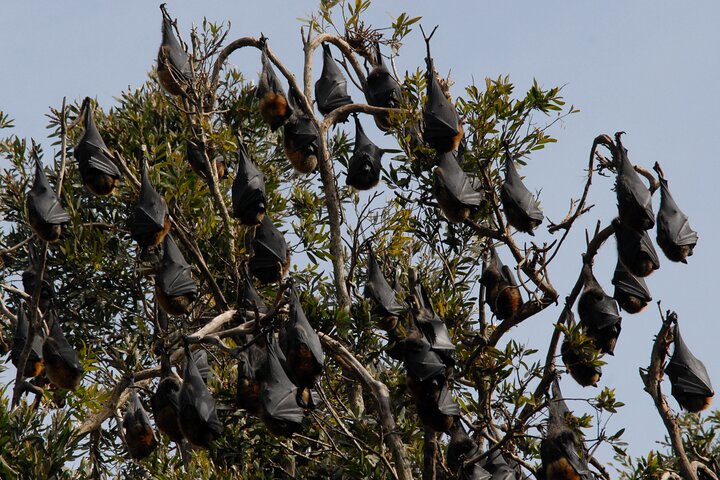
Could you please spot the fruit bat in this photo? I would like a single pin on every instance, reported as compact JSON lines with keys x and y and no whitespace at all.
{"x":165,"y":402}
{"x":421,"y":362}
{"x":433,"y":328}
{"x":61,"y":363}
{"x":152,"y":221}
{"x":274,"y":106}
{"x":635,"y":250}
{"x":442,"y":129}
{"x":200,"y":358}
{"x":382,"y":90}
{"x":175,"y":289}
{"x":45,"y":213}
{"x":300,"y":142}
{"x":499,"y":467}
{"x":501,"y":291}
{"x":522,"y":210}
{"x":271,"y":257}
{"x":30,"y":278}
{"x":278,"y":396}
{"x":174,"y":70}
{"x":195,"y":152}
{"x":97,"y":170}
{"x":34,"y":365}
{"x":250,"y":365}
{"x":301,"y":346}
{"x":631,"y":292}
{"x":559,"y":448}
{"x":435,"y":405}
{"x":365,"y":163}
{"x":249,"y":199}
{"x":581,"y":370}
{"x":331,"y":87}
{"x":199,"y":422}
{"x":385,"y":306}
{"x":460,"y":448}
{"x":674,"y":236}
{"x":689,"y":379}
{"x":634,"y":198}
{"x":139,"y":434}
{"x":599,"y":314}
{"x":453,"y":190}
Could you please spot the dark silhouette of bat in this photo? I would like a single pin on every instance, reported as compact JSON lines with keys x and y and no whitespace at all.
{"x":460,"y":448}
{"x":271,"y":257}
{"x":453,"y":190}
{"x":249,"y":199}
{"x":175,"y":289}
{"x":165,"y":402}
{"x":45,"y":213}
{"x":30,"y":279}
{"x":496,"y":465}
{"x":382,"y":90}
{"x":139,"y":435}
{"x":249,"y":300}
{"x":97,"y":170}
{"x":631,"y":292}
{"x":433,"y":328}
{"x":435,"y":405}
{"x":195,"y":151}
{"x":599,"y":314}
{"x":278,"y":396}
{"x":559,"y":448}
{"x":331,"y":87}
{"x":152,"y":221}
{"x":173,"y":62}
{"x":635,"y":250}
{"x":674,"y":236}
{"x":365,"y":164}
{"x":300,"y":141}
{"x":61,"y":363}
{"x":250,"y":365}
{"x":301,"y":346}
{"x":581,"y":370}
{"x":34,"y":365}
{"x":385,"y":306}
{"x":501,"y":291}
{"x":200,"y":358}
{"x":274,"y":106}
{"x":689,"y":379}
{"x":634,"y":198}
{"x":521,"y":208}
{"x":421,"y":362}
{"x":199,"y":422}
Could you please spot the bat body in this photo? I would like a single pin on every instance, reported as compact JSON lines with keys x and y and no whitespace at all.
{"x":442,"y":128}
{"x":173,"y":62}
{"x":152,"y":221}
{"x":61,"y":363}
{"x":300,"y":142}
{"x":635,"y":250}
{"x":302,"y":347}
{"x":278,"y":395}
{"x":30,"y":279}
{"x":331,"y":87}
{"x":274,"y":106}
{"x":165,"y":402}
{"x":249,"y":199}
{"x":599,"y":314}
{"x":250,"y":365}
{"x":689,"y":379}
{"x":435,"y":405}
{"x":175,"y":289}
{"x":634,"y":198}
{"x":199,"y":422}
{"x":521,"y":208}
{"x":499,"y":468}
{"x":460,"y":448}
{"x":453,"y":191}
{"x":582,"y":371}
{"x":431,"y":326}
{"x":45,"y":213}
{"x":139,"y":435}
{"x":382,"y":90}
{"x":365,"y":164}
{"x":675,"y":237}
{"x":97,"y":170}
{"x":501,"y":291}
{"x":631,"y":292}
{"x":34,"y":365}
{"x":271,"y":257}
{"x":195,"y":152}
{"x":385,"y":306}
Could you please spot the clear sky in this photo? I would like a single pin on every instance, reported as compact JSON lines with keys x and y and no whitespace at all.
{"x":644,"y":67}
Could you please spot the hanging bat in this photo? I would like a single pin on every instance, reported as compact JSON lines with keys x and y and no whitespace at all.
{"x":165,"y":402}
{"x":61,"y":363}
{"x":674,"y":236}
{"x":453,"y":190}
{"x":249,"y":300}
{"x":249,"y":199}
{"x":583,"y":371}
{"x":382,"y":90}
{"x":173,"y":62}
{"x":421,"y":362}
{"x":635,"y":250}
{"x":331,"y":87}
{"x":460,"y":448}
{"x":631,"y":292}
{"x":250,"y":365}
{"x":175,"y":289}
{"x":301,"y":346}
{"x":385,"y":307}
{"x":502,"y":294}
{"x":195,"y":151}
{"x":199,"y":422}
{"x":139,"y":435}
{"x":432,"y":327}
{"x":634,"y":198}
{"x":435,"y":406}
{"x":274,"y":106}
{"x":498,"y":467}
{"x":97,"y":170}
{"x":365,"y":163}
{"x":521,"y":208}
{"x":152,"y":221}
{"x":271,"y":257}
{"x":689,"y":379}
{"x":30,"y":279}
{"x":599,"y":314}
{"x":45,"y":213}
{"x":34,"y":365}
{"x":300,"y":142}
{"x":200,"y":358}
{"x":278,"y":396}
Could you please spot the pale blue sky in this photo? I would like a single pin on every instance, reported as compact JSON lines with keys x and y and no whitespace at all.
{"x":648,"y":68}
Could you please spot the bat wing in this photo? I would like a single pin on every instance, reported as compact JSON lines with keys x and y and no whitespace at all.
{"x":167,"y":393}
{"x":134,"y":412}
{"x":440,"y":117}
{"x":382,"y":88}
{"x":150,"y":211}
{"x":176,"y":57}
{"x":687,"y":373}
{"x":516,"y":193}
{"x":249,"y":298}
{"x":90,"y":150}
{"x":498,"y":467}
{"x":174,"y":276}
{"x":195,"y":394}
{"x":299,"y":133}
{"x":331,"y":87}
{"x":672,"y":223}
{"x":269,"y":81}
{"x":421,"y":362}
{"x":378,"y":290}
{"x":248,"y":188}
{"x":44,"y":201}
{"x":629,"y":283}
{"x":446,"y":404}
{"x":365,"y":153}
{"x":301,"y":332}
{"x":269,"y":239}
{"x":278,"y":394}
{"x":454,"y":180}
{"x":632,"y":243}
{"x":633,"y":196}
{"x":57,"y":347}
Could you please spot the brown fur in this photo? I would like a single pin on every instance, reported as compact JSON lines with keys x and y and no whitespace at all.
{"x":100,"y":183}
{"x":61,"y":375}
{"x":248,"y":395}
{"x":632,"y":304}
{"x":453,"y":210}
{"x":46,"y":231}
{"x":644,"y":268}
{"x":274,"y":109}
{"x":694,"y":403}
{"x":675,"y":253}
{"x":386,"y":322}
{"x":508,"y":301}
{"x":303,"y":160}
{"x":140,"y":441}
{"x":201,"y":171}
{"x":153,"y":239}
{"x":561,"y":470}
{"x":167,"y":422}
{"x":167,"y":79}
{"x":34,"y":368}
{"x":177,"y":305}
{"x":303,"y":365}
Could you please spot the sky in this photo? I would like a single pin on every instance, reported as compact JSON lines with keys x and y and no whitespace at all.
{"x":643,"y":67}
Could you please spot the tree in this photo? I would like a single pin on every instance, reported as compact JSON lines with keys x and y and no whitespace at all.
{"x":374,"y":415}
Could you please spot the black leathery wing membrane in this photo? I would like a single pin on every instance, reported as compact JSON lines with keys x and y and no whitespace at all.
{"x":521,"y":208}
{"x":634,"y":198}
{"x":278,"y":395}
{"x":453,"y":190}
{"x":274,"y":106}
{"x":198,"y":416}
{"x":331,"y":87}
{"x":139,"y":434}
{"x":631,"y":292}
{"x":599,"y":314}
{"x":442,"y":130}
{"x":45,"y":213}
{"x":250,"y":364}
{"x":165,"y":402}
{"x":151,"y":213}
{"x":675,"y":237}
{"x":300,"y":142}
{"x":175,"y":288}
{"x":302,"y":347}
{"x":420,"y":360}
{"x":690,"y":381}
{"x":249,"y":199}
{"x":379,"y":290}
{"x":34,"y":364}
{"x":501,"y":289}
{"x":271,"y":256}
{"x":460,"y":448}
{"x":61,"y":362}
{"x":431,"y":325}
{"x":97,"y":170}
{"x":173,"y":61}
{"x":365,"y":164}
{"x":382,"y":90}
{"x":635,"y":250}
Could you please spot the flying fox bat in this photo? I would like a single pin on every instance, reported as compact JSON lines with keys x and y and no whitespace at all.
{"x":635,"y":250}
{"x":249,"y":199}
{"x":165,"y":402}
{"x":435,"y":405}
{"x":631,"y":292}
{"x":422,"y":363}
{"x":274,"y":106}
{"x":674,"y":236}
{"x":173,"y":62}
{"x":453,"y":191}
{"x":199,"y":422}
{"x":278,"y":396}
{"x":500,"y":469}
{"x":200,"y":358}
{"x":301,"y":346}
{"x":271,"y":257}
{"x":521,"y":208}
{"x":249,"y":300}
{"x":331,"y":87}
{"x":152,"y":221}
{"x":634,"y":198}
{"x":30,"y":279}
{"x":195,"y":151}
{"x":442,"y":128}
{"x":365,"y":163}
{"x":61,"y":363}
{"x":501,"y":291}
{"x":433,"y":328}
{"x":385,"y":306}
{"x":300,"y":142}
{"x":34,"y":365}
{"x":45,"y":213}
{"x":581,"y":370}
{"x":175,"y":289}
{"x":97,"y":170}
{"x":139,"y":435}
{"x":460,"y":448}
{"x":689,"y":379}
{"x":382,"y":90}
{"x":599,"y":314}
{"x":250,"y":364}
